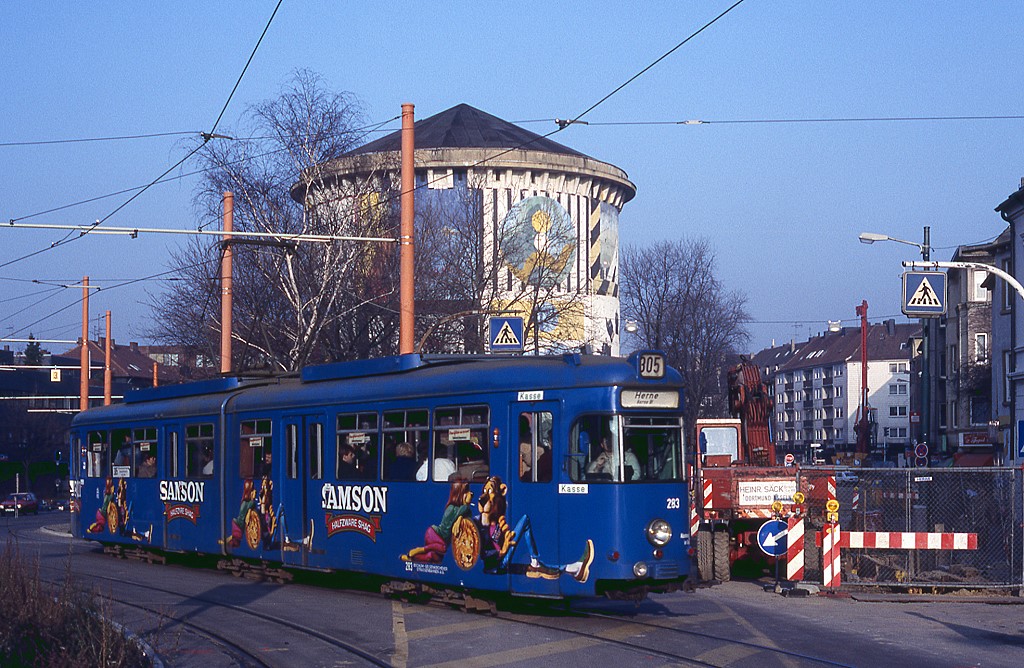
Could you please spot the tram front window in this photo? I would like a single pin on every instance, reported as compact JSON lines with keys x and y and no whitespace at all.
{"x":625,"y":449}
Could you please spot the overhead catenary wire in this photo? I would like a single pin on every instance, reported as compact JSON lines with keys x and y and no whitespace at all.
{"x":205,"y":136}
{"x":373,"y":127}
{"x":84,"y":140}
{"x":115,"y":286}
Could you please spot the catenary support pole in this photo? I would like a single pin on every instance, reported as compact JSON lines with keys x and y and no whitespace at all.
{"x":108,"y":375}
{"x":226,"y":286}
{"x":407,"y":307}
{"x":83,"y":398}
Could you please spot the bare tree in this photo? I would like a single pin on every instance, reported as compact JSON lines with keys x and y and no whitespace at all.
{"x":294,"y":303}
{"x":681,"y":307}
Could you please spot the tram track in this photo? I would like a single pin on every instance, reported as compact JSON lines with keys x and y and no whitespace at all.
{"x":236,"y":651}
{"x":161,"y":611}
{"x":630,"y":633}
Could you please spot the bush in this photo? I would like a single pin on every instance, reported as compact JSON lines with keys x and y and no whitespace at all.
{"x":47,"y":625}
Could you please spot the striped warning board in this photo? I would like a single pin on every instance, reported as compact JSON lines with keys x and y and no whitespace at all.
{"x":795,"y":550}
{"x":906,"y":540}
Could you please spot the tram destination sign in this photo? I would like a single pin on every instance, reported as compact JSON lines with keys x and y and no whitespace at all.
{"x":649,"y":399}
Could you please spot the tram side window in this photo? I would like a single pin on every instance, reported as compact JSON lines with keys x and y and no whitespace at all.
{"x":123,"y":463}
{"x":656,"y":444}
{"x":255,"y":448}
{"x":316,"y":451}
{"x":405,"y":443}
{"x":460,"y":444}
{"x":199,"y":452}
{"x":145,"y":452}
{"x":357,"y":445}
{"x":96,"y":457}
{"x":291,"y":451}
{"x":535,"y":447}
{"x":592,"y":450}
{"x":173,"y":470}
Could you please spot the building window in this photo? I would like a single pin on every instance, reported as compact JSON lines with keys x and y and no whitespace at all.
{"x":980,"y":409}
{"x":981,"y":346}
{"x":980,"y":294}
{"x":897,"y":411}
{"x":1007,"y":383}
{"x":899,"y":389}
{"x":839,"y":390}
{"x":1008,"y":292}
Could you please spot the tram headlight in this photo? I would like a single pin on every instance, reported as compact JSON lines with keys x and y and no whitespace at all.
{"x":640,"y":569}
{"x":659,"y":533}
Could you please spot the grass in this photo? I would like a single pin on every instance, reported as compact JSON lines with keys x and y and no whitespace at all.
{"x":56,"y":625}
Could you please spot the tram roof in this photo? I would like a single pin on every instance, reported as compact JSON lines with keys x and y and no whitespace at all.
{"x":383,"y":379}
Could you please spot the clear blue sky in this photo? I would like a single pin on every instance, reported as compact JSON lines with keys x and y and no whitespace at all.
{"x":782,"y":204}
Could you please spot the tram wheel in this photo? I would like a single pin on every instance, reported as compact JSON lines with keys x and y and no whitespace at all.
{"x":253,"y":529}
{"x":113,"y":519}
{"x":722,"y":566}
{"x":706,"y":555}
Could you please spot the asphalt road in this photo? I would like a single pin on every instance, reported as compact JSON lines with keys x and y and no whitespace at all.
{"x":197,"y":616}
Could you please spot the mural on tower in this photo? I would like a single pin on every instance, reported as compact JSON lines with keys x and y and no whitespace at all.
{"x":540,"y":242}
{"x":604,"y":250}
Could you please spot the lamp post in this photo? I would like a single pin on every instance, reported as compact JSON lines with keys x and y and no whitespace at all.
{"x":925,"y":248}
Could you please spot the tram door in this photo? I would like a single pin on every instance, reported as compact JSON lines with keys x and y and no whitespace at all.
{"x":533,"y":504}
{"x":303,"y":473}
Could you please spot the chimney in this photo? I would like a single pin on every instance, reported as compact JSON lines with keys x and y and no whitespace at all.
{"x":134,"y":346}
{"x":890,"y":327}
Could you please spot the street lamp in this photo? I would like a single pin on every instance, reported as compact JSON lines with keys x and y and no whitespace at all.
{"x":872,"y":237}
{"x":925,"y":248}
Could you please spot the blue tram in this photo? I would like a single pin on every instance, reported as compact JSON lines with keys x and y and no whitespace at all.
{"x":552,"y":476}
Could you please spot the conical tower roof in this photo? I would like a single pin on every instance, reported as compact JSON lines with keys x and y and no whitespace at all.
{"x":464,"y":126}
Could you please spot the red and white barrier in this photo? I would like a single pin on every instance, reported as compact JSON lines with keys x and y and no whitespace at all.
{"x":707,"y":493}
{"x":694,"y":519}
{"x":795,"y":550}
{"x":831,"y":487}
{"x":910,"y":540}
{"x":831,"y":566}
{"x":856,"y":499}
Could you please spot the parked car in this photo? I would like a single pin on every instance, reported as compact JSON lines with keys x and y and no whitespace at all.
{"x":847,"y":476}
{"x":22,"y":502}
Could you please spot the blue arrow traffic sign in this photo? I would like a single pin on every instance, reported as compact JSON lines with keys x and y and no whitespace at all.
{"x":924,"y":294}
{"x":771,"y":538}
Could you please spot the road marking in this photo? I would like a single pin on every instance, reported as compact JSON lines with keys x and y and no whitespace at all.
{"x":400,"y":657}
{"x":446,"y":629}
{"x":755,"y":634}
{"x":726,"y":655}
{"x":520,"y":654}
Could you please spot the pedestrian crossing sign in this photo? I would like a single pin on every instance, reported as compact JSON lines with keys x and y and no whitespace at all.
{"x":506,"y":334}
{"x":924,"y":294}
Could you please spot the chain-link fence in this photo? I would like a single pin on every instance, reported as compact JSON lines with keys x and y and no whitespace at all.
{"x":985,"y":502}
